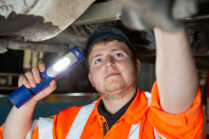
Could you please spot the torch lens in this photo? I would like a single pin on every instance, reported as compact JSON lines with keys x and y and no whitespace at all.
{"x":61,"y":64}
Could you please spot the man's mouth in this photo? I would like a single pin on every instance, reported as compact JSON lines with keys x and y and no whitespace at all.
{"x":112,"y":74}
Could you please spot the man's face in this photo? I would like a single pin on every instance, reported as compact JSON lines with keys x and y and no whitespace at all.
{"x":111,"y":68}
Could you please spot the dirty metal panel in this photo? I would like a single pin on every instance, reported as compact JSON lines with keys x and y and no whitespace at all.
{"x":100,"y":12}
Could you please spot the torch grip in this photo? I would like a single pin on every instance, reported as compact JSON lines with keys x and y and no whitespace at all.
{"x":21,"y":95}
{"x":43,"y":84}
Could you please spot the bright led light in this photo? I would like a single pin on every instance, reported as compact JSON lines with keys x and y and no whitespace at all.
{"x":62,"y":64}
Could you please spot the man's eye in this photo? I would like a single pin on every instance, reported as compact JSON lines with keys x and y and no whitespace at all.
{"x":118,"y":55}
{"x":98,"y":61}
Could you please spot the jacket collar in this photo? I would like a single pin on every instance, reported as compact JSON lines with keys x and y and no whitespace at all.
{"x":135,"y":112}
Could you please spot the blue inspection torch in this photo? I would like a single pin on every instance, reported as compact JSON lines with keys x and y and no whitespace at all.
{"x":56,"y":69}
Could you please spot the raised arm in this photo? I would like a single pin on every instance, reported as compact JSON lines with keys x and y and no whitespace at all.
{"x":19,"y":121}
{"x":175,"y":70}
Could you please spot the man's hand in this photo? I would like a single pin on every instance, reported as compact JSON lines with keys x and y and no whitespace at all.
{"x":19,"y":120}
{"x":168,"y":15}
{"x":32,"y":78}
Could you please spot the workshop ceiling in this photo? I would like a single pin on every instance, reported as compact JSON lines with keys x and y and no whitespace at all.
{"x":56,"y":26}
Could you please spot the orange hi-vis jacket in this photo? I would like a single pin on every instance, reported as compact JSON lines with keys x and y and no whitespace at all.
{"x":144,"y":119}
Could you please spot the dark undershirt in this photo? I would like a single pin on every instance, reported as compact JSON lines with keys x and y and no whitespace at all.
{"x":111,"y":119}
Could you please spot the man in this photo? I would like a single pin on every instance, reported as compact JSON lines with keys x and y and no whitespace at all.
{"x":123,"y":111}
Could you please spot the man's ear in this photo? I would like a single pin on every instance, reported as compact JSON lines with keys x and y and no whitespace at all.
{"x":138,"y":66}
{"x":89,"y":76}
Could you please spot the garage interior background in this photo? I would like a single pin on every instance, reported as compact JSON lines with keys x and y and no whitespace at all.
{"x":20,"y":50}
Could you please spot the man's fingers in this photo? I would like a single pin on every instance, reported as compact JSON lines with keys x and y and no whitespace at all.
{"x":41,"y":66}
{"x":52,"y":86}
{"x":36,"y":75}
{"x":30,"y":77}
{"x":23,"y":80}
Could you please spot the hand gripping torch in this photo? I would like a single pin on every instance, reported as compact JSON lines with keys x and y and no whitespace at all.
{"x":56,"y":69}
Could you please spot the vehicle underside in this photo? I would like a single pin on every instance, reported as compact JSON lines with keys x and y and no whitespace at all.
{"x":48,"y":28}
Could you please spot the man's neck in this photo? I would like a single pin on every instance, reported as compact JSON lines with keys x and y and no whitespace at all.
{"x":114,"y":103}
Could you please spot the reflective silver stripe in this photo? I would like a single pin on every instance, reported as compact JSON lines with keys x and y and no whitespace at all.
{"x":148,"y":96}
{"x":30,"y":132}
{"x":158,"y":135}
{"x":45,"y":128}
{"x":80,"y":121}
{"x":134,"y":132}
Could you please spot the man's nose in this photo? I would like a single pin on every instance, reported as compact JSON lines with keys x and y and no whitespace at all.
{"x":109,"y":61}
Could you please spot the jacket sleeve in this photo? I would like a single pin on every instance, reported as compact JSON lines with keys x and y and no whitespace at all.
{"x":45,"y":124}
{"x":51,"y":127}
{"x":188,"y":124}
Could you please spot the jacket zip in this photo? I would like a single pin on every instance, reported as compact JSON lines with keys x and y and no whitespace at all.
{"x":105,"y":128}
